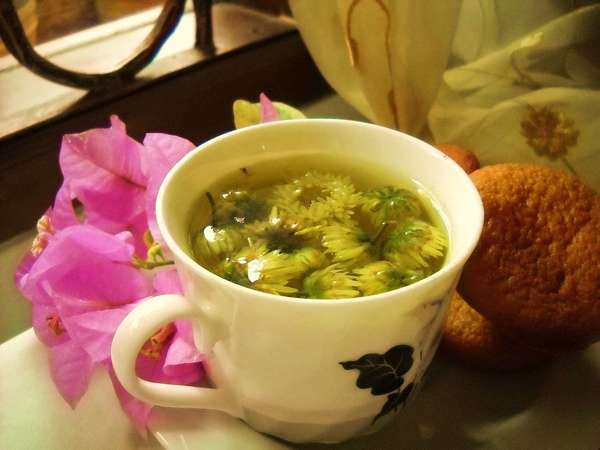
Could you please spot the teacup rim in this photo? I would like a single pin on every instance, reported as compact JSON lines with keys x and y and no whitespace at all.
{"x":183,"y":257}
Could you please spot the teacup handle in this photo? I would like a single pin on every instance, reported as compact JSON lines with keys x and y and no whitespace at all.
{"x":137,"y":327}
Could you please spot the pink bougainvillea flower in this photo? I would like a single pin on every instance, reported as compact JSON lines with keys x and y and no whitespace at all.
{"x":81,"y":253}
{"x":169,"y":356}
{"x":268,"y":111}
{"x":60,"y":216}
{"x":102,"y":168}
{"x":182,"y":350}
{"x":162,"y":152}
{"x":86,"y":274}
{"x":153,"y":365}
{"x":80,"y":271}
{"x":167,"y":281}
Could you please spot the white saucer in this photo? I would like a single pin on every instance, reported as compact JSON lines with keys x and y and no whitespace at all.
{"x":554,"y":408}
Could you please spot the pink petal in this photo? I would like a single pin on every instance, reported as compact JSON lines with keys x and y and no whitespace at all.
{"x":138,"y":227}
{"x":182,"y":349}
{"x":62,"y":248}
{"x":154,"y":370}
{"x":109,"y":150}
{"x":98,"y":280}
{"x":23,"y":269}
{"x":268,"y":112}
{"x":71,"y":369}
{"x":137,"y":411}
{"x":167,"y":281}
{"x":31,"y":284}
{"x":88,"y":264}
{"x":93,"y":330}
{"x":62,"y":214}
{"x":102,"y":168}
{"x":111,"y":203}
{"x":40,"y":313}
{"x":162,"y":153}
{"x":85,"y":238}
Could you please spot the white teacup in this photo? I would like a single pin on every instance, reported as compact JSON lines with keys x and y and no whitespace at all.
{"x":302,"y":369}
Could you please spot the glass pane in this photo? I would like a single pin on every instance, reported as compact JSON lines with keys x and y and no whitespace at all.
{"x":48,"y":20}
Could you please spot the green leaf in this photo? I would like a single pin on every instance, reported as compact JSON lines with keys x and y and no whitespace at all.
{"x":246,"y":113}
{"x":287,"y":112}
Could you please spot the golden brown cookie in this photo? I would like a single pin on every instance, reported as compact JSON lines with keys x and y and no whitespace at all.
{"x":463,"y":157}
{"x":476,"y":342}
{"x":536,"y":269}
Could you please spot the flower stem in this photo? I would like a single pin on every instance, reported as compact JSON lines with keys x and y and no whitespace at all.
{"x":149,"y":265}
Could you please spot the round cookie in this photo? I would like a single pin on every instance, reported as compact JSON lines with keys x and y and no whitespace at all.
{"x":461,"y":156}
{"x":536,"y":269}
{"x":476,"y":342}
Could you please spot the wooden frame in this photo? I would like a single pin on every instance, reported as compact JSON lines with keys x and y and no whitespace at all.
{"x":192,"y":100}
{"x":16,"y":41}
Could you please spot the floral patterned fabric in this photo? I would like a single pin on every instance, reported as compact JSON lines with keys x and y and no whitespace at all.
{"x":514,"y":81}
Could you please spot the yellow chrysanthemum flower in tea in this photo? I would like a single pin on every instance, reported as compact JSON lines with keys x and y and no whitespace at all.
{"x":286,"y":197}
{"x":383,"y":276}
{"x":331,"y":282}
{"x":390,"y":203}
{"x":414,"y":244}
{"x":309,"y":257}
{"x":212,"y":242}
{"x":317,"y":198}
{"x":317,"y":236}
{"x":344,"y":242}
{"x":279,"y":231}
{"x":237,"y":206}
{"x":264,"y":269}
{"x":378,"y":277}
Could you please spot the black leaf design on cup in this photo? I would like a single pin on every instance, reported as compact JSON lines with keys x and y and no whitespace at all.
{"x":383,"y":374}
{"x":394,"y":401}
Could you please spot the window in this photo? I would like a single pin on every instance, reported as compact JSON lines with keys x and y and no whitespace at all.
{"x":184,"y":90}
